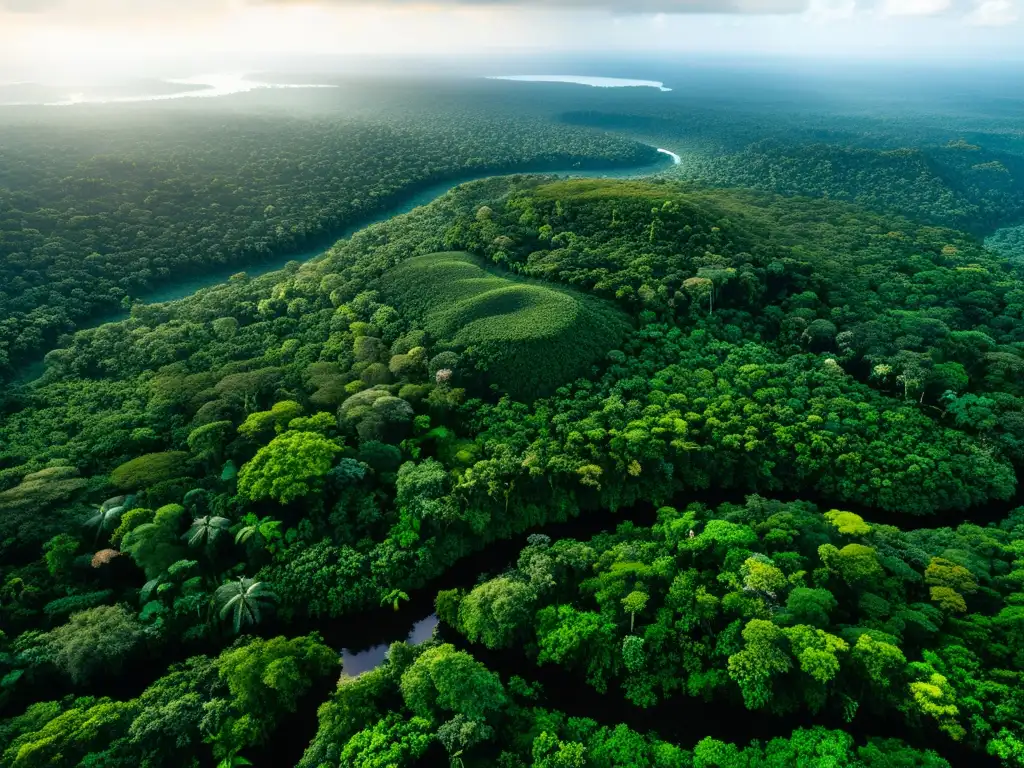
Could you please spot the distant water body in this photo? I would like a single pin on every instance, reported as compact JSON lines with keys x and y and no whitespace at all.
{"x":676,"y":159}
{"x":190,"y":284}
{"x":201,"y":87}
{"x":355,"y":663}
{"x":595,"y":82}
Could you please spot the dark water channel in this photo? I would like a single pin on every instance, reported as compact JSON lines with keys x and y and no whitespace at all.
{"x":400,"y":203}
{"x":363,"y":641}
{"x":364,"y":638}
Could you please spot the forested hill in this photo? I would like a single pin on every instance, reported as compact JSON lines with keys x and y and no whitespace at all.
{"x":964,"y":170}
{"x":297,"y":448}
{"x":94,"y":215}
{"x":959,"y":184}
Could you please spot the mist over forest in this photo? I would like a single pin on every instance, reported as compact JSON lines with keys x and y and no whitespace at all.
{"x":372,"y":412}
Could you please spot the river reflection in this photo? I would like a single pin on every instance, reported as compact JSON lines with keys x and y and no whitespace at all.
{"x":356,"y":663}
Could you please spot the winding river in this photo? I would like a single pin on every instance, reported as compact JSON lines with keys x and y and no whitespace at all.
{"x":363,"y":639}
{"x":420,"y":196}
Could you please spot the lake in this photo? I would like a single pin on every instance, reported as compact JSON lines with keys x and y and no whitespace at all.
{"x":200,"y":87}
{"x":594,"y":82}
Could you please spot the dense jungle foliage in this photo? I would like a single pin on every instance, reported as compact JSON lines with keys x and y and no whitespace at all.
{"x":948,"y":153}
{"x":93,"y":215}
{"x":777,"y":608}
{"x":199,"y":500}
{"x":1008,"y":242}
{"x":434,"y":702}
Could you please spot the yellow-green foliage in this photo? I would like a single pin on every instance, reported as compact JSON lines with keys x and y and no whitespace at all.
{"x":849,"y":523}
{"x":264,"y":422}
{"x":131,"y":520}
{"x":531,"y":337}
{"x":43,"y":488}
{"x":148,"y":470}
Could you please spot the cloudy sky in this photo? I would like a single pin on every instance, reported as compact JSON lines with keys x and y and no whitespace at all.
{"x":73,"y":37}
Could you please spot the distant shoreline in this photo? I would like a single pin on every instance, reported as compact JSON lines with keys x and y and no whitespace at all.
{"x":594,"y":82}
{"x":675,"y":158}
{"x":202,"y":87}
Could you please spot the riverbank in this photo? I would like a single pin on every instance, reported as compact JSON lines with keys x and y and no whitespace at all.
{"x":402,"y":202}
{"x":680,"y":719}
{"x":364,"y":641}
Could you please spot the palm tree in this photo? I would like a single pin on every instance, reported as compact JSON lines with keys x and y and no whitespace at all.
{"x":245,"y":598}
{"x":233,"y":761}
{"x":205,"y":530}
{"x":195,"y":500}
{"x":393,"y":598}
{"x":108,"y":514}
{"x":265,"y":529}
{"x":634,"y":603}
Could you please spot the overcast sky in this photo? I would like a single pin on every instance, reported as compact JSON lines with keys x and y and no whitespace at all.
{"x":67,"y":38}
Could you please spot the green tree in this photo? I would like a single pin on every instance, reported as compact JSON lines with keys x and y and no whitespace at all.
{"x":856,"y":564}
{"x":245,"y":599}
{"x":265,"y":531}
{"x":848,"y":523}
{"x":155,"y":546}
{"x":65,"y":738}
{"x":634,"y":603}
{"x":149,"y":470}
{"x":60,"y":554}
{"x":497,"y":611}
{"x":291,"y":466}
{"x":261,"y":423}
{"x":208,"y":441}
{"x":393,"y":598}
{"x":96,"y":641}
{"x":880,"y":662}
{"x":206,"y":530}
{"x":445,"y":680}
{"x":131,"y":520}
{"x":810,"y":606}
{"x":269,"y":677}
{"x":762,"y":658}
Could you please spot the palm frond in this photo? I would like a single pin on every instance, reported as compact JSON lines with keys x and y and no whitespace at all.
{"x":229,"y":606}
{"x":244,"y":534}
{"x":245,"y":598}
{"x":147,"y":589}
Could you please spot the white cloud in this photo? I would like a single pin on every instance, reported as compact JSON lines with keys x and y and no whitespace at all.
{"x":831,"y":10}
{"x":914,"y":7}
{"x":994,"y":13}
{"x":752,"y":7}
{"x":69,"y":38}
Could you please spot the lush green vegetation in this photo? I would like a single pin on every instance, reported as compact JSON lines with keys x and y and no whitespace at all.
{"x":1009,"y":243}
{"x":188,"y":493}
{"x":203,"y":706}
{"x":527,"y":336}
{"x":941,"y":155}
{"x":958,"y":184}
{"x":777,"y":608}
{"x":92,"y":215}
{"x":435,"y":702}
